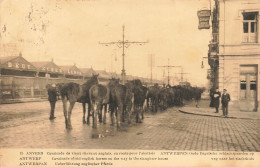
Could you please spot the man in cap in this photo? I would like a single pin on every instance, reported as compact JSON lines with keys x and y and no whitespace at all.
{"x":224,"y":100}
{"x":52,"y":97}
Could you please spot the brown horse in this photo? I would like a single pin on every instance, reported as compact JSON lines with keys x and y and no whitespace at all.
{"x":98,"y":95}
{"x":140,"y":95}
{"x":120,"y":102}
{"x":73,"y":93}
{"x":153,"y":95}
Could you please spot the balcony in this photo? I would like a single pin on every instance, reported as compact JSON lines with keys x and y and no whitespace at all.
{"x":213,"y":48}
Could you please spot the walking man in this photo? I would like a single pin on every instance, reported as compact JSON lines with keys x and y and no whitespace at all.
{"x":224,"y":100}
{"x":52,"y":97}
{"x":216,"y":96}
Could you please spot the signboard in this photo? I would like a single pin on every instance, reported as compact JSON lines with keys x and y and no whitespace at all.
{"x":204,"y":17}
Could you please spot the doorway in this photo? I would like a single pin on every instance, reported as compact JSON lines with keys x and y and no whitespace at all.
{"x":248,"y":88}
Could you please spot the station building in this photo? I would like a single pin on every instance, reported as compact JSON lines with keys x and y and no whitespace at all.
{"x":16,"y":77}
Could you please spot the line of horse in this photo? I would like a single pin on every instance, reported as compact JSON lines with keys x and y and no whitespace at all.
{"x":121,"y":100}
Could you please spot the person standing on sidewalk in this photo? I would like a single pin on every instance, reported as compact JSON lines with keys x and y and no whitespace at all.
{"x":224,"y":100}
{"x":216,"y":96}
{"x":52,"y":97}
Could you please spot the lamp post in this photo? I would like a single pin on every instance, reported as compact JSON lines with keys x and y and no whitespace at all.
{"x":123,"y":44}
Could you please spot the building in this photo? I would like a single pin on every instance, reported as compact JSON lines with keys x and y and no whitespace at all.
{"x":16,"y":77}
{"x":234,"y":52}
{"x":87,"y":72}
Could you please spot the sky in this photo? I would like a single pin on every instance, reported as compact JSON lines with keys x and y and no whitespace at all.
{"x":69,"y":32}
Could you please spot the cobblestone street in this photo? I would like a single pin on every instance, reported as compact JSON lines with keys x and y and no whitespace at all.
{"x":26,"y":125}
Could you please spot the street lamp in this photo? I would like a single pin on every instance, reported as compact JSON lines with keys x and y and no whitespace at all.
{"x":202,"y":65}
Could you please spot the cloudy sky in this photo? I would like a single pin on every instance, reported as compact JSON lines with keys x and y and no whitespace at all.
{"x":69,"y":31}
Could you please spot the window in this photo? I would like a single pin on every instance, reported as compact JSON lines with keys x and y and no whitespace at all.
{"x":250,"y":27}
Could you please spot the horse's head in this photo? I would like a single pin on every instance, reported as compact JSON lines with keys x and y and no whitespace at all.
{"x":94,"y":79}
{"x":113,"y":82}
{"x":129,"y":85}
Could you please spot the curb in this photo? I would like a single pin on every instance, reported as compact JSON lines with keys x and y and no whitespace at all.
{"x":207,"y":115}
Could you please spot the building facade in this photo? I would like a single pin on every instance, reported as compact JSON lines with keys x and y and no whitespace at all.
{"x":234,"y":52}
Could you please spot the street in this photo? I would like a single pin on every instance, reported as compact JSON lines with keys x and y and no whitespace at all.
{"x":27,"y":125}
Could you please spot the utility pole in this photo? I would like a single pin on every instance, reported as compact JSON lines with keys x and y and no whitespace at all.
{"x":168,"y":68}
{"x":123,"y":44}
{"x":182,"y":73}
{"x":151,"y":63}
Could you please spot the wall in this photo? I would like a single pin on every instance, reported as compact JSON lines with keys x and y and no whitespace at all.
{"x":232,"y":51}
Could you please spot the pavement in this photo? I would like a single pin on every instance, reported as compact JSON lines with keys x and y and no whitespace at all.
{"x":27,"y":125}
{"x":204,"y":110}
{"x":22,"y":100}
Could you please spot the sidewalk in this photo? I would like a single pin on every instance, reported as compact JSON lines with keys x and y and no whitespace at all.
{"x":207,"y":111}
{"x":21,"y":100}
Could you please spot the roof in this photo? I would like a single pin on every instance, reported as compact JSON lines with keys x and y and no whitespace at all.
{"x":16,"y":62}
{"x":71,"y":69}
{"x":65,"y":67}
{"x":103,"y":73}
{"x":40,"y":63}
{"x":87,"y":71}
{"x":6,"y":59}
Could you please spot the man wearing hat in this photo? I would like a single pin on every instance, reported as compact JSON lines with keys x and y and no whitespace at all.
{"x":224,"y":100}
{"x":215,"y":97}
{"x":52,"y":97}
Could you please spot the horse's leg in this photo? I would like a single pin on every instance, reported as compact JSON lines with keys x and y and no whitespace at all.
{"x":124,"y":113}
{"x":137,"y":111}
{"x":129,"y":112}
{"x":100,"y":113}
{"x":64,"y":102}
{"x":142,"y":112}
{"x":84,"y":112}
{"x":119,"y":115}
{"x":105,"y":112}
{"x":112,"y":113}
{"x":69,"y":114}
{"x":94,"y":114}
{"x":89,"y":110}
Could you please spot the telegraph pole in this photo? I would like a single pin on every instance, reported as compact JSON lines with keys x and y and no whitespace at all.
{"x":123,"y":44}
{"x":151,"y":66}
{"x":182,"y":74}
{"x":168,"y":68}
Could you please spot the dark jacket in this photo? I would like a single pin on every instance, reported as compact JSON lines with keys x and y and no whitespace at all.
{"x":52,"y":94}
{"x":216,"y":96}
{"x":225,"y":99}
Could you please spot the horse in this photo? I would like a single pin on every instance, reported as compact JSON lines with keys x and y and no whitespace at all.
{"x":163,"y":98}
{"x":140,"y":95}
{"x":120,"y":101}
{"x":98,"y":96}
{"x":73,"y":93}
{"x":153,"y":95}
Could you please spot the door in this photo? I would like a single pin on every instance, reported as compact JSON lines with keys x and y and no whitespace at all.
{"x":248,"y":88}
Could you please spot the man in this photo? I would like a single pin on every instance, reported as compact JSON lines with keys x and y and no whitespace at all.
{"x":216,"y":96}
{"x":197,"y":96}
{"x":224,"y":100}
{"x":52,"y":97}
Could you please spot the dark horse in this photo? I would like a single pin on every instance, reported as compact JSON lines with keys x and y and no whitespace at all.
{"x":153,"y":95}
{"x":99,"y":96}
{"x":140,"y":95}
{"x":73,"y":93}
{"x":121,"y":99}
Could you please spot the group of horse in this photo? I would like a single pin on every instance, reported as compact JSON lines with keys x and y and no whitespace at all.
{"x":121,"y":100}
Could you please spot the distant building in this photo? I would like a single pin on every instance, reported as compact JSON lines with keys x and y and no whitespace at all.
{"x":72,"y":72}
{"x":234,"y":52}
{"x":16,"y":77}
